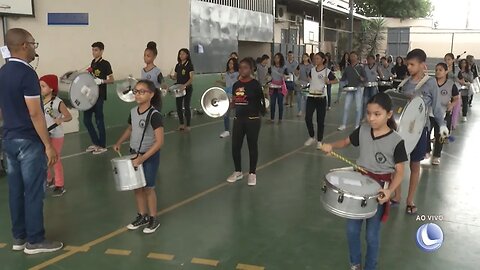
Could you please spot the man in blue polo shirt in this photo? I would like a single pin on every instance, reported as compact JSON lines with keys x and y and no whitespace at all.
{"x":26,"y":144}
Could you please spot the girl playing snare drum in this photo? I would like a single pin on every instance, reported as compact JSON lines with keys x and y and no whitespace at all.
{"x":383,"y":155}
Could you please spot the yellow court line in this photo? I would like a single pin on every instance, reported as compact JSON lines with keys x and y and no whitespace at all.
{"x":205,"y":262}
{"x":242,"y":266}
{"x":119,"y":252}
{"x":81,"y":249}
{"x":160,"y":256}
{"x":2,"y":245}
{"x":164,"y":211}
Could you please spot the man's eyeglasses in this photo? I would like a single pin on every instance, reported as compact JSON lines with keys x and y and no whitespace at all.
{"x":35,"y":44}
{"x":140,"y":92}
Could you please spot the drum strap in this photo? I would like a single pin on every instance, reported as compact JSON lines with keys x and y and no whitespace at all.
{"x":419,"y":85}
{"x":147,"y":122}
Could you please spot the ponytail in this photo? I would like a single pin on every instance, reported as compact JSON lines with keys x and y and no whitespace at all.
{"x":391,"y":123}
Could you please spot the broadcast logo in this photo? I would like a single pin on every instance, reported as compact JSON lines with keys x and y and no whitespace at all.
{"x":429,"y":237}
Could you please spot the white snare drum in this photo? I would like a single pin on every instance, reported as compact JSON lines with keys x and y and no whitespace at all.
{"x":274,"y":86}
{"x":125,"y":175}
{"x":176,"y":91}
{"x":385,"y":83}
{"x":410,"y":116}
{"x":350,"y":89}
{"x":350,"y":194}
{"x":371,"y":84}
{"x":289,"y":77}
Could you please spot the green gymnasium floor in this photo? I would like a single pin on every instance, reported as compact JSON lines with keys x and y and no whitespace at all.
{"x":279,"y":224}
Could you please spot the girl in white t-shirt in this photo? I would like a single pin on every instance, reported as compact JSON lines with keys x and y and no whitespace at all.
{"x":56,"y":113}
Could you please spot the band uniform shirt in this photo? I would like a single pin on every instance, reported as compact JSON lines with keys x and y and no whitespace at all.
{"x":138,"y":121}
{"x":317,"y":83}
{"x":380,"y":154}
{"x":154,"y":75}
{"x":371,"y":73}
{"x":101,"y":69}
{"x":183,"y":72}
{"x":52,"y":112}
{"x":448,"y":90}
{"x":291,"y":66}
{"x":352,"y":75}
{"x":304,"y":71}
{"x":385,"y":73}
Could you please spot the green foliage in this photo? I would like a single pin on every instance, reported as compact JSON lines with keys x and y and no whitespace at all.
{"x":403,"y":9}
{"x":370,"y":37}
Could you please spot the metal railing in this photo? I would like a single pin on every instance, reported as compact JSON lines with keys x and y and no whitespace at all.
{"x":264,"y":6}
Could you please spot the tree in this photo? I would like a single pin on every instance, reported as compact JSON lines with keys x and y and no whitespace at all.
{"x":403,"y":9}
{"x":370,"y":37}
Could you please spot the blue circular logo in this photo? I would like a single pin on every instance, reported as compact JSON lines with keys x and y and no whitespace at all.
{"x":429,"y":237}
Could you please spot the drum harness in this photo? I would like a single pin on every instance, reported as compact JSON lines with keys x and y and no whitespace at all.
{"x":149,"y":115}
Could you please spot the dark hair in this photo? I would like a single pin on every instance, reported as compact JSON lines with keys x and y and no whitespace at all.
{"x":312,"y":55}
{"x":290,"y":52}
{"x":345,"y":60}
{"x":185,"y":50}
{"x":377,"y":55}
{"x":453,"y":58}
{"x":353,"y":52}
{"x":322,"y":55}
{"x":99,"y":45}
{"x":282,"y":59}
{"x":467,"y":68}
{"x":306,"y":54}
{"x":443,"y":65}
{"x":152,"y":46}
{"x":399,"y":57}
{"x":417,"y":54}
{"x":265,"y":57}
{"x":383,"y":100}
{"x":371,"y":56}
{"x":234,"y":53}
{"x":383,"y":58}
{"x":156,"y":100}
{"x":235,"y":64}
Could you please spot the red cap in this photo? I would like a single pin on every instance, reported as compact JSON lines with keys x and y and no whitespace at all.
{"x":52,"y":81}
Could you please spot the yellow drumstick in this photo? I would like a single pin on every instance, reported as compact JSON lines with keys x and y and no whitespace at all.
{"x":355,"y":166}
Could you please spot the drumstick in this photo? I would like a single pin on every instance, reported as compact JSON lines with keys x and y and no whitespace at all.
{"x":119,"y":154}
{"x":355,"y":166}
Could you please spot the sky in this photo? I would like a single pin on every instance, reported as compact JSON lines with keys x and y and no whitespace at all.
{"x":456,"y":14}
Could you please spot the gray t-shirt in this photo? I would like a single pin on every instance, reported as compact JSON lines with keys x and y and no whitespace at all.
{"x":385,"y":73}
{"x":278,"y":73}
{"x":262,"y":72}
{"x":152,"y":75}
{"x":303,"y":71}
{"x":291,"y":66}
{"x":447,"y":91}
{"x":378,"y":155}
{"x":138,"y":122}
{"x":430,"y":95}
{"x":371,"y":73}
{"x":352,"y":74}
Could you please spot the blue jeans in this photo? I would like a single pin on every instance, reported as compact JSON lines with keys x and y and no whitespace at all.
{"x":372,"y":235}
{"x":150,"y":169}
{"x":275,"y":98}
{"x":368,"y":93}
{"x":341,"y":84}
{"x":27,"y":172}
{"x":97,"y":109}
{"x":226,"y":120}
{"x":301,"y":101}
{"x":350,"y":96}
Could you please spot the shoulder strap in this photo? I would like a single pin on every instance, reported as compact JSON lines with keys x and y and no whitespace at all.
{"x":147,"y":121}
{"x":419,"y":84}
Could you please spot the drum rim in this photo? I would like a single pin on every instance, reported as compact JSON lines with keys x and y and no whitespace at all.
{"x":349,"y":194}
{"x":350,"y":88}
{"x":342,"y":214}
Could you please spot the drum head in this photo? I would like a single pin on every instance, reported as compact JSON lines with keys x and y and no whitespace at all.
{"x":353,"y":183}
{"x":411,"y":117}
{"x":83,"y":91}
{"x":125,"y":89}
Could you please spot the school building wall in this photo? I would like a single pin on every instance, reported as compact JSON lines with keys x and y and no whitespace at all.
{"x":125,"y":26}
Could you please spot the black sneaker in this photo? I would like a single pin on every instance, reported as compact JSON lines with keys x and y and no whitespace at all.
{"x":43,"y":247}
{"x":58,"y":191}
{"x":50,"y":184}
{"x":138,"y":222}
{"x":153,"y":225}
{"x":19,"y":244}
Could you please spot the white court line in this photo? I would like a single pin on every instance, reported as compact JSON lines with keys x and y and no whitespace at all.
{"x":166,"y":133}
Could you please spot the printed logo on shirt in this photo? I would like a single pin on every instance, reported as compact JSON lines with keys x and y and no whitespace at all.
{"x":380,"y":158}
{"x":444,"y":92}
{"x":184,"y":72}
{"x":97,"y":72}
{"x":49,"y":111}
{"x":141,"y":124}
{"x":320,"y":76}
{"x":240,"y":96}
{"x":149,"y":76}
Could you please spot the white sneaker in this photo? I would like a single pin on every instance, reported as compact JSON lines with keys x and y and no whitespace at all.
{"x":225,"y":134}
{"x":319,"y":145}
{"x":299,"y":114}
{"x":435,"y":161}
{"x":356,"y":127}
{"x":341,"y":128}
{"x":252,"y":179}
{"x":99,"y":150}
{"x":91,"y":148}
{"x":310,"y":141}
{"x":235,"y":177}
{"x":464,"y":119}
